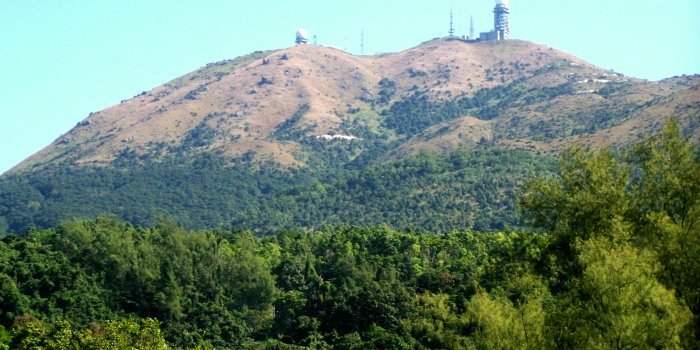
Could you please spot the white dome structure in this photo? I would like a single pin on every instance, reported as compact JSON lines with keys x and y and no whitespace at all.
{"x":302,"y":36}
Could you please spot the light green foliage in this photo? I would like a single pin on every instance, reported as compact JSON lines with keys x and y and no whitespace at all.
{"x":630,"y":223}
{"x":32,"y":334}
{"x":506,"y":324}
{"x":5,"y":338}
{"x":666,"y":210}
{"x":668,"y":180}
{"x":127,"y":334}
{"x":437,"y":323}
{"x":627,"y":307}
{"x":587,"y":198}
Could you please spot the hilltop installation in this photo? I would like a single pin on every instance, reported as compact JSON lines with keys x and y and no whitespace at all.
{"x":501,"y":25}
{"x":302,"y":37}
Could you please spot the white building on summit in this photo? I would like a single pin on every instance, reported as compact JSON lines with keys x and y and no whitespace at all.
{"x":501,"y":22}
{"x":501,"y":27}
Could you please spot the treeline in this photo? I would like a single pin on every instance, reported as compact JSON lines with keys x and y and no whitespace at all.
{"x":615,"y":266}
{"x":467,"y":189}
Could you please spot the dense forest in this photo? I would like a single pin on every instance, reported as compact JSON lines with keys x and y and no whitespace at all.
{"x":472,"y":188}
{"x":610,"y":262}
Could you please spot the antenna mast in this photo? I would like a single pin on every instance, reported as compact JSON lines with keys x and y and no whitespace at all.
{"x":362,"y":42}
{"x":471,"y":27}
{"x":452,"y":27}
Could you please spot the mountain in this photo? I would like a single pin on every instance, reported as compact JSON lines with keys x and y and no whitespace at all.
{"x":441,"y":94}
{"x":437,"y":136}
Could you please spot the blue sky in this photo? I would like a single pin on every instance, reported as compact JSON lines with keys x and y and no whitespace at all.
{"x":62,"y":59}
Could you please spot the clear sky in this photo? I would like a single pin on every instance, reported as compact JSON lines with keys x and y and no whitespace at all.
{"x":62,"y":59}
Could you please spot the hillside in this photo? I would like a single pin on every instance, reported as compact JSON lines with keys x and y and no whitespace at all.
{"x":437,"y":137}
{"x":442,"y":94}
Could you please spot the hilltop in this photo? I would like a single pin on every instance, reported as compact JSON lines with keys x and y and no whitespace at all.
{"x":443,"y":94}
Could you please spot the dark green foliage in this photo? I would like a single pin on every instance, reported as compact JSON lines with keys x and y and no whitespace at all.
{"x":289,"y":130}
{"x":470,"y":188}
{"x":199,"y":136}
{"x":612,"y":88}
{"x":416,"y":113}
{"x":98,"y":271}
{"x":344,"y":287}
{"x":194,"y":94}
{"x":387,"y":89}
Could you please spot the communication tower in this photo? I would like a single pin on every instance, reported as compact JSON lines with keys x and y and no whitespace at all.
{"x":501,"y":22}
{"x":471,"y":27}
